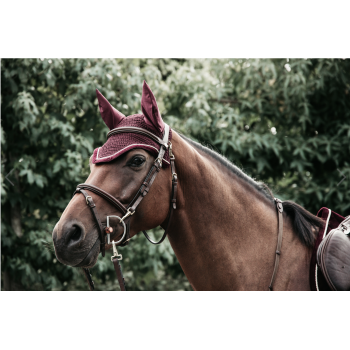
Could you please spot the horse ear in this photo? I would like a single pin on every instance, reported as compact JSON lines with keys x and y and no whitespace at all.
{"x":150,"y":109}
{"x":109,"y":114}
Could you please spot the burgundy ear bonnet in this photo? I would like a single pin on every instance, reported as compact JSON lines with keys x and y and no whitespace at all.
{"x":118,"y":144}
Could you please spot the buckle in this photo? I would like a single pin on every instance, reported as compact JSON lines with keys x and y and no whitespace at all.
{"x":115,"y":252}
{"x":159,"y":162}
{"x":87,"y":202}
{"x":128,"y":213}
{"x":279,"y":205}
{"x":108,"y":231}
{"x":171,"y":155}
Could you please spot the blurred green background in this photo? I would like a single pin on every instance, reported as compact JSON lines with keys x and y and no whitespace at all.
{"x":283,"y":121}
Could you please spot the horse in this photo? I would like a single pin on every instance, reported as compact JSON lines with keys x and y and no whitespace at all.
{"x":225,"y":227}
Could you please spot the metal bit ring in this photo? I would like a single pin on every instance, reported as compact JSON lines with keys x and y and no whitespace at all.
{"x":108,"y":234}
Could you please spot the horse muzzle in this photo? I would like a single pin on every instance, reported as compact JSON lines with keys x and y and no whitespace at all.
{"x":73,"y":246}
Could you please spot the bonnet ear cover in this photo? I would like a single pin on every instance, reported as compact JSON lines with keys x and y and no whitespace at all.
{"x":118,"y":144}
{"x":109,"y":114}
{"x":150,"y":109}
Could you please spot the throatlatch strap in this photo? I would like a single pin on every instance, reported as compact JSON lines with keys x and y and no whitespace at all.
{"x":279,"y":240}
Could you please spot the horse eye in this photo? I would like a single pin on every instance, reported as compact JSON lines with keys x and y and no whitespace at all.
{"x":137,"y":161}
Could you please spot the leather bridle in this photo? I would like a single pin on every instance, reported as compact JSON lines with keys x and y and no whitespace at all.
{"x":128,"y":211}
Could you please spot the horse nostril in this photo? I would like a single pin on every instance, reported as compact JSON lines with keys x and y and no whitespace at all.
{"x":74,"y":234}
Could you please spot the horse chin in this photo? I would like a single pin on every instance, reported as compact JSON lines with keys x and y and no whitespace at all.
{"x":90,"y":260}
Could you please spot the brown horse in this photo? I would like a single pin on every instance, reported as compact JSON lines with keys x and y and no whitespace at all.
{"x":223,"y":231}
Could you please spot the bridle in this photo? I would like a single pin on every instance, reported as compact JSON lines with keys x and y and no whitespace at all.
{"x":128,"y":211}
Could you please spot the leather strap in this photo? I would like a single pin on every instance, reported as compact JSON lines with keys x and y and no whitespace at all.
{"x":145,"y":187}
{"x":101,"y":232}
{"x":165,"y":232}
{"x":279,"y":240}
{"x":172,"y":202}
{"x":174,"y":181}
{"x":89,"y":279}
{"x":119,"y":272}
{"x":114,"y":201}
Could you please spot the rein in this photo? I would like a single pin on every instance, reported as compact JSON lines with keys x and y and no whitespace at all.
{"x":128,"y":211}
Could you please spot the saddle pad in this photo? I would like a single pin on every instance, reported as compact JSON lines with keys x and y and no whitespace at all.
{"x":332,"y":221}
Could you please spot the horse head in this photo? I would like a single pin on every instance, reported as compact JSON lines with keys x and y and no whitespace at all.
{"x":118,"y":168}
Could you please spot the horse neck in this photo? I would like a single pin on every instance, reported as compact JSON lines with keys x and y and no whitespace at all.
{"x":224,"y":231}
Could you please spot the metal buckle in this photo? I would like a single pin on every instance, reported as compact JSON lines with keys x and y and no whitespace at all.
{"x":128,"y":213}
{"x":87,"y":202}
{"x":171,"y":155}
{"x":159,"y":160}
{"x":109,"y":235}
{"x":174,"y":174}
{"x":115,"y":252}
{"x":279,"y":205}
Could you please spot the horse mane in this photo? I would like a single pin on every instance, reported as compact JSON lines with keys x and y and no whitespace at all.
{"x":259,"y":186}
{"x":305,"y":224}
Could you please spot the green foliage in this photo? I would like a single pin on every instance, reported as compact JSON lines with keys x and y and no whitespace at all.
{"x":287,"y":125}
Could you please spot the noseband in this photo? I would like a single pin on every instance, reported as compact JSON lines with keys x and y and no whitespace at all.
{"x":128,"y":211}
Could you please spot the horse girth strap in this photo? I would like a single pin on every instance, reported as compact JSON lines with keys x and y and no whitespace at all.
{"x":279,"y":240}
